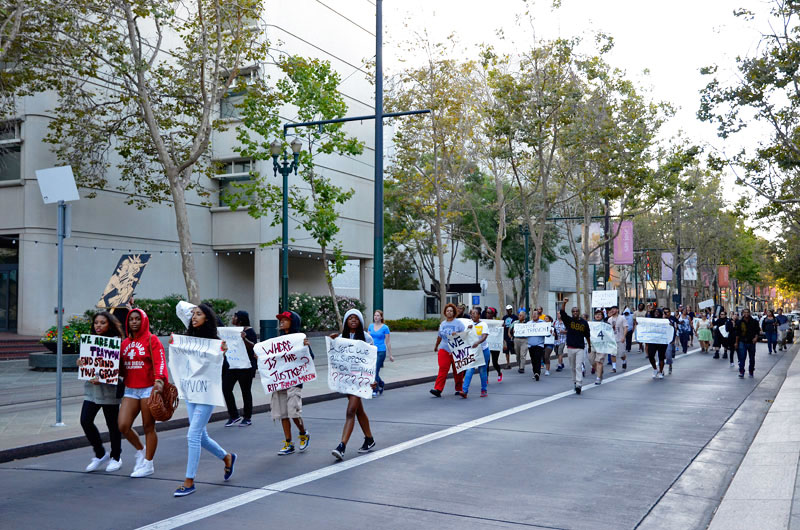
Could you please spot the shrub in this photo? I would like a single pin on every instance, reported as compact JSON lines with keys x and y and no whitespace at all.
{"x":73,"y":329}
{"x":317,"y":311}
{"x":414,"y":324}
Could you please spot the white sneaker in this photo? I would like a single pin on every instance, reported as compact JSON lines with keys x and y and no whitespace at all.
{"x":140,"y":456}
{"x":655,"y":374}
{"x":661,"y":376}
{"x":547,"y":372}
{"x":144,"y":470}
{"x":114,"y":465}
{"x":96,"y":462}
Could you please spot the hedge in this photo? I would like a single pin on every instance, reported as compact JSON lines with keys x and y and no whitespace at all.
{"x":414,"y":324}
{"x":317,"y":311}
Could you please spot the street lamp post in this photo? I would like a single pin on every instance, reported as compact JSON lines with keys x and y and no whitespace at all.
{"x":284,"y":168}
{"x":526,"y":233}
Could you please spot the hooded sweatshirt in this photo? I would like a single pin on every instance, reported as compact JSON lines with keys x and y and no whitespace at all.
{"x":143,"y":359}
{"x":357,"y":313}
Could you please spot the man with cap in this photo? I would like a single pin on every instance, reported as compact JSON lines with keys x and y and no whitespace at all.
{"x":508,"y":322}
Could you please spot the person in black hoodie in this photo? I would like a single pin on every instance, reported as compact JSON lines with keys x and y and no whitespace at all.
{"x":288,"y":404}
{"x":723,"y":336}
{"x":747,"y":331}
{"x":244,"y":376}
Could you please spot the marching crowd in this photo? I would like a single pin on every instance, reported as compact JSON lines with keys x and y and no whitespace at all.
{"x":144,"y":375}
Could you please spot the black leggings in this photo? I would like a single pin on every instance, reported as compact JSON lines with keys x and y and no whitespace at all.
{"x":245,"y":379}
{"x":536,"y":353}
{"x":496,"y":362}
{"x":111,"y":412}
{"x":660,"y":349}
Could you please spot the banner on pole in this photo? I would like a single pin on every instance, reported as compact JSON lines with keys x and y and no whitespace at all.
{"x":653,"y":331}
{"x":604,"y":298}
{"x":351,"y":366}
{"x":196,"y":367}
{"x":603,"y":340}
{"x":464,"y":355}
{"x":690,"y":268}
{"x":126,"y":276}
{"x":666,"y":266}
{"x":722,"y":276}
{"x":623,"y":244}
{"x":595,"y":237}
{"x":539,"y":328}
{"x":100,"y":356}
{"x":237,"y":352}
{"x":706,"y":303}
{"x":284,"y":362}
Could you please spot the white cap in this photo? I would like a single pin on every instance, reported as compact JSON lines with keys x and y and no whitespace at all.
{"x":509,"y":306}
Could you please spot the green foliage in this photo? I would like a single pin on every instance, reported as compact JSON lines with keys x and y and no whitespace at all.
{"x":414,"y":324}
{"x":317,"y":311}
{"x":72,"y":331}
{"x":164,"y":320}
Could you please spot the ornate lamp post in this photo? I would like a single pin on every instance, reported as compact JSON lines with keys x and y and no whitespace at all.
{"x":284,"y":168}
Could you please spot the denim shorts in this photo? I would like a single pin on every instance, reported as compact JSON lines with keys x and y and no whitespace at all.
{"x":138,"y":393}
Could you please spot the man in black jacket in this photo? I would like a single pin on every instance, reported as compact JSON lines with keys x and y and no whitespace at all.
{"x":747,"y":331}
{"x":577,"y":333}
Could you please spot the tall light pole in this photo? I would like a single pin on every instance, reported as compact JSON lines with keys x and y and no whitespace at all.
{"x":284,"y":168}
{"x":526,"y":234}
{"x":377,"y":279}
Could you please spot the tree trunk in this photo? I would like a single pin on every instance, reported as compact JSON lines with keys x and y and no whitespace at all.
{"x":587,"y":284}
{"x":331,"y":290}
{"x":184,"y":239}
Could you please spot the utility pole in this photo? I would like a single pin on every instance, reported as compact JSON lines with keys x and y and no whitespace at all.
{"x":377,"y":279}
{"x":607,"y":263}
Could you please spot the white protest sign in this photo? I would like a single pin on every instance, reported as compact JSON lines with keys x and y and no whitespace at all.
{"x":237,"y":352}
{"x":495,"y":330}
{"x":653,"y":331}
{"x":540,"y":328}
{"x":706,"y":303}
{"x":283,"y":362}
{"x":196,"y":367}
{"x":604,"y":298}
{"x":100,"y":358}
{"x":464,"y":355}
{"x":184,"y":312}
{"x":351,"y":366}
{"x":602,"y":335}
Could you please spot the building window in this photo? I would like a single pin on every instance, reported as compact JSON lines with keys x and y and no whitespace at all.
{"x":10,"y":150}
{"x":231,"y":171}
{"x":230,"y":104}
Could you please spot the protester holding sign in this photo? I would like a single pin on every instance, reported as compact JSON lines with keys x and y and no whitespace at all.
{"x":144,"y":371}
{"x":519,"y":343}
{"x":203,"y":325}
{"x":561,"y":340}
{"x":605,"y":344}
{"x":243,"y":376}
{"x":482,"y":334}
{"x":549,"y":344}
{"x":578,"y":336}
{"x":620,"y":326}
{"x":723,"y":335}
{"x":354,"y":330}
{"x":97,"y":395}
{"x":448,"y":327}
{"x":379,"y":332}
{"x":655,"y":329}
{"x":536,"y":348}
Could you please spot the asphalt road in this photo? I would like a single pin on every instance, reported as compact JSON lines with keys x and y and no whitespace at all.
{"x":532,"y":454}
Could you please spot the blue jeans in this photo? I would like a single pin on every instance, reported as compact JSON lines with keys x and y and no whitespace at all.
{"x":197,"y":436}
{"x":684,"y":337}
{"x":381,"y":359}
{"x":747,"y":349}
{"x":483,"y":370}
{"x":772,"y":341}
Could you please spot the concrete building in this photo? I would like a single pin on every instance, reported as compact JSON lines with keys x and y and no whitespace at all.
{"x":230,"y":263}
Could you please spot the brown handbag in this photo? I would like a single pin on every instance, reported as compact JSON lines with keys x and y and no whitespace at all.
{"x":163,"y":404}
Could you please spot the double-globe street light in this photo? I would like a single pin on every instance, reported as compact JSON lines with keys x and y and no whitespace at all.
{"x":284,"y":168}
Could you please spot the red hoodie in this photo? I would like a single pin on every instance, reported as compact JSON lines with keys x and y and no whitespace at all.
{"x":143,"y":359}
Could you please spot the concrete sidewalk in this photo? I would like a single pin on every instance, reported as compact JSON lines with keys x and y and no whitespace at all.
{"x":765,"y":492}
{"x":28,"y":405}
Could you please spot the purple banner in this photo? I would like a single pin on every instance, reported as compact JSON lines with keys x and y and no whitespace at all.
{"x":623,"y":244}
{"x":666,"y":266}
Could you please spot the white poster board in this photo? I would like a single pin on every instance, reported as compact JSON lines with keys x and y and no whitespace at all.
{"x":184,"y":312}
{"x":495,"y":338}
{"x":196,"y":368}
{"x":464,"y":355}
{"x":100,"y":356}
{"x":540,"y":328}
{"x":237,"y":352}
{"x":653,"y":331}
{"x":283,"y":362}
{"x":351,"y":366}
{"x":604,"y":298}
{"x":602,"y":335}
{"x":706,"y":303}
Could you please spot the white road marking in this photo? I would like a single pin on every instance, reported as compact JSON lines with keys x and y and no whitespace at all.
{"x":277,"y":487}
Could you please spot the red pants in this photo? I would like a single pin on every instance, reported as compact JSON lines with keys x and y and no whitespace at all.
{"x":445,"y":364}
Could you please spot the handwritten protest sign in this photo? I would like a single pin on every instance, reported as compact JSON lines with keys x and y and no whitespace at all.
{"x":653,"y":331}
{"x":464,"y":355}
{"x":495,"y":330}
{"x":706,"y":303}
{"x":100,"y":358}
{"x":604,"y":298}
{"x":237,"y":352}
{"x":540,"y":328}
{"x":283,"y":362}
{"x":602,"y":335}
{"x":196,"y":368}
{"x":351,"y":366}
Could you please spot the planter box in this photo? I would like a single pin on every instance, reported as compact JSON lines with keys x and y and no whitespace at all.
{"x":47,"y":362}
{"x":67,"y":348}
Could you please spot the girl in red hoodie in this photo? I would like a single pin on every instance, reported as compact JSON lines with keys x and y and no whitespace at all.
{"x":143,"y":368}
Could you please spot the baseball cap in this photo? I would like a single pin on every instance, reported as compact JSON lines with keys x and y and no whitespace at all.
{"x":287,"y":315}
{"x":509,"y":306}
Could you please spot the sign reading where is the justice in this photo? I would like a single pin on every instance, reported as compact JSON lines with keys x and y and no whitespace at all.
{"x":284,"y":362}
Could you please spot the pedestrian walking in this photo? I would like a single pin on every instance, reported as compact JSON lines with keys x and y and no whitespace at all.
{"x":704,"y":335}
{"x":629,"y":321}
{"x":783,"y":328}
{"x":620,"y":326}
{"x":747,"y":331}
{"x":639,"y":313}
{"x":561,"y":339}
{"x":508,"y":340}
{"x":491,"y":314}
{"x":449,"y":326}
{"x":723,"y":336}
{"x":549,"y":344}
{"x":354,"y":329}
{"x":203,"y":324}
{"x":101,"y":396}
{"x":535,"y":345}
{"x":672,"y":347}
{"x":143,"y":368}
{"x":578,"y":337}
{"x":379,"y":332}
{"x":520,"y":344}
{"x":770,"y":328}
{"x":243,"y":376}
{"x":483,"y":334}
{"x":657,"y":350}
{"x":684,"y":329}
{"x":286,"y":405}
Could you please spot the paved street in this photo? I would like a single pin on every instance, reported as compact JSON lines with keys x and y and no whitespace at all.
{"x":531,"y":454}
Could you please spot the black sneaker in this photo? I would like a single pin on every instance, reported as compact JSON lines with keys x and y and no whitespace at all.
{"x":436,"y":393}
{"x":339,"y":451}
{"x":369,"y":443}
{"x":246,"y":423}
{"x":625,"y":366}
{"x":231,"y":423}
{"x":578,"y":390}
{"x":536,"y":376}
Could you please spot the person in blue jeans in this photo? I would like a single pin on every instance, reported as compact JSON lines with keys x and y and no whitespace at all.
{"x":770,"y":328}
{"x":203,"y":325}
{"x":746,"y":331}
{"x":483,"y":333}
{"x":379,"y":332}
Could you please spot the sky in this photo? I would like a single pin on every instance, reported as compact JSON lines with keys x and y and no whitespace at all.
{"x":670,"y":40}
